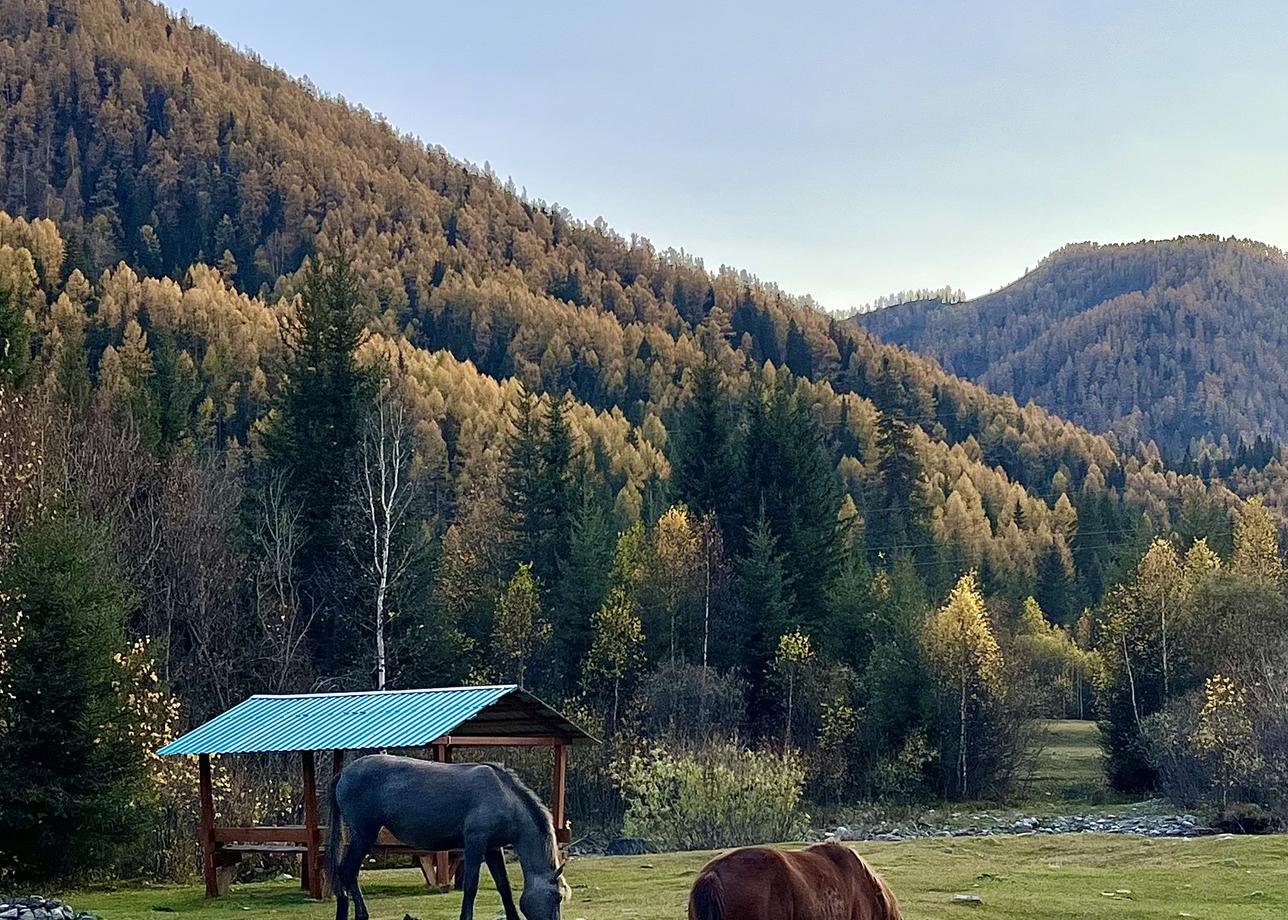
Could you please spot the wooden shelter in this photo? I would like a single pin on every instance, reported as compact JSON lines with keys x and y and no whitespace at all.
{"x":436,"y":719}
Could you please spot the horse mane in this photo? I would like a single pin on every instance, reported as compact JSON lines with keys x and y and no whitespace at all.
{"x":534,"y":806}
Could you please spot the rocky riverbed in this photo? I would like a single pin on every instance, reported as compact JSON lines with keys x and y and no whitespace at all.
{"x":1145,"y":819}
{"x":986,"y":825}
{"x":36,"y":908}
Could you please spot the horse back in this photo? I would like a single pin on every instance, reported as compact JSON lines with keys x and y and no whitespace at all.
{"x":746,"y":884}
{"x":825,"y":882}
{"x":423,"y":803}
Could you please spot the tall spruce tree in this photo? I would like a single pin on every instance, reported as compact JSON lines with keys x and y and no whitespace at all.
{"x":897,"y":521}
{"x":523,"y":480}
{"x":583,"y":583}
{"x":541,"y":487}
{"x":767,"y":594}
{"x":789,"y":475}
{"x":312,"y":436}
{"x":704,"y":461}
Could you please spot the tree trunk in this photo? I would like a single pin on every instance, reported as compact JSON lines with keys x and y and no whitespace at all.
{"x":1167,"y":689}
{"x":787,"y":731}
{"x":616,"y":688}
{"x":706,"y":632}
{"x":380,"y":638}
{"x":1131,"y":681}
{"x":961,"y":739}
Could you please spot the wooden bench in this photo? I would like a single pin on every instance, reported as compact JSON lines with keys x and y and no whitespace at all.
{"x":441,"y":870}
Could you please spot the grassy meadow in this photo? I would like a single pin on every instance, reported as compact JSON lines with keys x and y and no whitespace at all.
{"x":1072,"y":876}
{"x":1032,"y":876}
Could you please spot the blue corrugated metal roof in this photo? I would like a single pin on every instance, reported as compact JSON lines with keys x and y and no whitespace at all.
{"x":352,"y":721}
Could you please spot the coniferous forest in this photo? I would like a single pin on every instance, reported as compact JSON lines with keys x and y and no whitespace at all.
{"x":290,"y":401}
{"x":1177,"y":342}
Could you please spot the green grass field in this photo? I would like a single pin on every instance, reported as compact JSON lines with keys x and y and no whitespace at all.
{"x":1244,"y":878}
{"x":1070,"y":766}
{"x":1070,"y":876}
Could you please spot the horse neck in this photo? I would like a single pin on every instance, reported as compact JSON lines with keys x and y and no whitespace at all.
{"x":533,"y":845}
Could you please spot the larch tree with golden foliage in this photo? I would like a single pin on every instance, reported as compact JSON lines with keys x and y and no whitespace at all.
{"x":963,"y":652}
{"x":1224,"y":737}
{"x":1256,"y":544}
{"x":1161,"y":585}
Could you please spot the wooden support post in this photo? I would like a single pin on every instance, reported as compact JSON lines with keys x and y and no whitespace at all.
{"x":208,"y":871}
{"x":559,"y":789}
{"x":442,"y":859}
{"x":337,"y":763}
{"x":313,"y":856}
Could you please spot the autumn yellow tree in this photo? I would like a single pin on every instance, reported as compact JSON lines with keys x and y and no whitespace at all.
{"x":614,"y":651}
{"x":1160,"y":586}
{"x":518,"y":631}
{"x":1225,"y":738}
{"x":964,"y":654}
{"x":1256,"y":544}
{"x":678,"y":551}
{"x":795,"y":652}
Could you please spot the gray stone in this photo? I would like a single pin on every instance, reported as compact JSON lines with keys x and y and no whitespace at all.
{"x":627,"y":846}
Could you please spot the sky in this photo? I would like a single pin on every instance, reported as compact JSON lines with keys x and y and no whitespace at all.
{"x":844,"y":150}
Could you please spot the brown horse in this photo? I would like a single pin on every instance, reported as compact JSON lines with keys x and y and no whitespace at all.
{"x":824,"y":882}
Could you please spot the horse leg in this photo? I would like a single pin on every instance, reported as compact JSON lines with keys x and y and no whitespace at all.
{"x":496,"y":865}
{"x":360,"y":843}
{"x":470,"y":876}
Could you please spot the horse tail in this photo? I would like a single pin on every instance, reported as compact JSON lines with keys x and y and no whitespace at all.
{"x":706,"y":900}
{"x":333,"y":845}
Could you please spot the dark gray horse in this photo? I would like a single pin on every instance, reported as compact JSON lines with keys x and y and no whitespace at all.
{"x":477,"y":808}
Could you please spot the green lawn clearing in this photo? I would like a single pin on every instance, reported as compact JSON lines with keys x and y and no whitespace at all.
{"x":1072,"y":876}
{"x":1071,"y":765}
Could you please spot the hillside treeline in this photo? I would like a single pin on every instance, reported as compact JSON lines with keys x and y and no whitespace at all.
{"x":1178,"y":342}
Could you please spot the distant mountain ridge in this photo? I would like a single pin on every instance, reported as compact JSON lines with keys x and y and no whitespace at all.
{"x":1175,"y":341}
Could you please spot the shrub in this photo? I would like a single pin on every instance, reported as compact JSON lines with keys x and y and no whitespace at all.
{"x":721,"y":795}
{"x":688,"y":703}
{"x":1182,"y":775}
{"x":903,"y":775}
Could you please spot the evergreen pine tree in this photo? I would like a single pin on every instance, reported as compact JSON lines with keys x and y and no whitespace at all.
{"x":72,"y":780}
{"x":583,"y":583}
{"x":788,"y":474}
{"x":540,"y":481}
{"x":1053,"y":591}
{"x":312,"y":436}
{"x":704,"y":472}
{"x":766,"y":591}
{"x":523,"y":480}
{"x":898,"y":523}
{"x":558,"y":488}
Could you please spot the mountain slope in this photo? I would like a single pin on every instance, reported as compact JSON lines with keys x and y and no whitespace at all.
{"x":1174,"y":341}
{"x":149,"y":140}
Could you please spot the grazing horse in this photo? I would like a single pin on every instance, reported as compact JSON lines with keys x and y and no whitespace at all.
{"x":824,"y":882}
{"x":477,"y":808}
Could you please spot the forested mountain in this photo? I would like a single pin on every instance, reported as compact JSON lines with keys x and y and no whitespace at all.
{"x":339,"y":410}
{"x":1181,"y":342}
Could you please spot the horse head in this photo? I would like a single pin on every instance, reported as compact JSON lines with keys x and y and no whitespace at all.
{"x":542,"y":897}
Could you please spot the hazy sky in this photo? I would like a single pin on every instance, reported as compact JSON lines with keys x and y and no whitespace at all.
{"x":845,"y":150}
